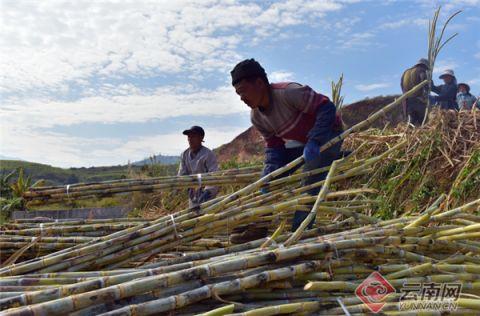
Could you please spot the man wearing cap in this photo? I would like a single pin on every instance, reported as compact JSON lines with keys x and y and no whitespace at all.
{"x":293,"y":119}
{"x":195,"y":160}
{"x":447,"y":92}
{"x":414,"y":106}
{"x":465,"y":99}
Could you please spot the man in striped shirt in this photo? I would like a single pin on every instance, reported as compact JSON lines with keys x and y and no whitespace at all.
{"x":293,"y":119}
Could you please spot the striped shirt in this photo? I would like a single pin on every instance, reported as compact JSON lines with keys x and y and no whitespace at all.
{"x":291,"y":114}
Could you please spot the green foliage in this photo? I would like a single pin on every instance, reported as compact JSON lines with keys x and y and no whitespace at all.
{"x":5,"y":188}
{"x":471,"y":179}
{"x":234,"y":164}
{"x":12,"y":187}
{"x":157,"y":170}
{"x":337,"y":97}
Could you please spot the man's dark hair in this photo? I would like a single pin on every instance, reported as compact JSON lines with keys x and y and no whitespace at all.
{"x":249,"y":69}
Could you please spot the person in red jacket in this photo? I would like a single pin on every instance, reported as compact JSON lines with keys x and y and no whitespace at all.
{"x":293,"y":119}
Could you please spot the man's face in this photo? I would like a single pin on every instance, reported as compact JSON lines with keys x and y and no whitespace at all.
{"x":194,"y":141}
{"x":251,"y":93}
{"x":462,"y":89}
{"x":447,"y":79}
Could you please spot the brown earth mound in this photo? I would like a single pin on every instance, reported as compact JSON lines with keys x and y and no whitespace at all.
{"x":245,"y":147}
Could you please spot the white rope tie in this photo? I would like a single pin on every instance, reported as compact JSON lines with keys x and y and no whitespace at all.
{"x":41,"y":229}
{"x":68,"y":191}
{"x":177,"y":235}
{"x":336,"y":251}
{"x":345,"y":310}
{"x":274,"y":243}
{"x":199,"y":179}
{"x":34,"y":238}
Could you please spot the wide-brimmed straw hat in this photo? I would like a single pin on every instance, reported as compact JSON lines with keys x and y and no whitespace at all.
{"x":448,"y":72}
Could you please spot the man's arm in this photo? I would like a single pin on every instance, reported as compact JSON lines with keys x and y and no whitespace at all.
{"x":182,"y":168}
{"x":401,"y":82}
{"x":211,"y":165}
{"x":305,"y":99}
{"x":211,"y":162}
{"x":448,"y":93}
{"x":325,"y":119}
{"x":435,"y":88}
{"x":274,"y":149}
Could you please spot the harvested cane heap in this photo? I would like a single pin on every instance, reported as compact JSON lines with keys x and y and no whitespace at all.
{"x":183,"y":263}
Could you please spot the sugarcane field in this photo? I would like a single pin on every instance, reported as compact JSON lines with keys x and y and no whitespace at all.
{"x":305,"y":205}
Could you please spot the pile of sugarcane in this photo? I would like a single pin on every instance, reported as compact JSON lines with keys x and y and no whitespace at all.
{"x":317,"y":271}
{"x":184,"y":262}
{"x":54,"y":194}
{"x":443,"y":156}
{"x":25,"y":239}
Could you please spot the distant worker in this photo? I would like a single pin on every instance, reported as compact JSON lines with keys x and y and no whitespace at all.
{"x":465,"y":99}
{"x":198,"y":159}
{"x":414,"y":106}
{"x":447,"y":92}
{"x":293,"y":119}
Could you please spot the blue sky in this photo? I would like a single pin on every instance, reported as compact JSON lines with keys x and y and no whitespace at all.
{"x":87,"y":83}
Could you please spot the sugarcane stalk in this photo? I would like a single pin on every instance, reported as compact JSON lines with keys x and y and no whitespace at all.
{"x":321,"y":196}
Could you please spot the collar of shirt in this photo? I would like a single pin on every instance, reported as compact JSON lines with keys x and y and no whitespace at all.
{"x":266,"y":111}
{"x":195,"y":154}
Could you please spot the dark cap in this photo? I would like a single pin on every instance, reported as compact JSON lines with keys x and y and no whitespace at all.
{"x":194,"y":130}
{"x":247,"y":69}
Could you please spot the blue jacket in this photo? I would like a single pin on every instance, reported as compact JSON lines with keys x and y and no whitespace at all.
{"x":447,"y":95}
{"x":465,"y":100}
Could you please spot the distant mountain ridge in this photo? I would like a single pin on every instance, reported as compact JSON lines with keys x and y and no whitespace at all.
{"x":157,"y":159}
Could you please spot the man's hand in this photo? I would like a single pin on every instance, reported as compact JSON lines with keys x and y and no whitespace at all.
{"x":311,"y":151}
{"x":205,"y":196}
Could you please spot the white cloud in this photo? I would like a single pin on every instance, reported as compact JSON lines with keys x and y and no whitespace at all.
{"x":124,"y":106}
{"x":65,"y":151}
{"x":371,"y":87}
{"x":357,"y":40}
{"x":59,"y":61}
{"x":442,"y":65}
{"x":48,"y":44}
{"x":280,"y":76}
{"x":475,"y":85}
{"x":400,"y":23}
{"x":27,"y":124}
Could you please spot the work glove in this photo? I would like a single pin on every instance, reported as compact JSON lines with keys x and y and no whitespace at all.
{"x":311,"y":151}
{"x":205,"y":196}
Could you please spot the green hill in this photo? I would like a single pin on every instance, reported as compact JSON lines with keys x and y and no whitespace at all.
{"x":60,"y":176}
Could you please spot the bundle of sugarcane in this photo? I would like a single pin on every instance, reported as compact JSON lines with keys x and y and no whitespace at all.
{"x":442,"y":156}
{"x":27,"y":239}
{"x":42,"y":195}
{"x":431,"y":247}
